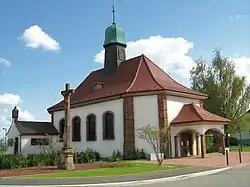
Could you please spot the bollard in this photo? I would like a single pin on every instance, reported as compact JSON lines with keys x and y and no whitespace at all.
{"x":240,"y":155}
{"x":227,"y":156}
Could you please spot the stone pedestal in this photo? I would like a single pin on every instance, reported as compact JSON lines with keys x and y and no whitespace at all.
{"x":67,"y":159}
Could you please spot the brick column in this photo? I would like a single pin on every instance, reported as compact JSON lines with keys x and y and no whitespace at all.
{"x":203,"y":146}
{"x":163,"y":117}
{"x":129,"y":131}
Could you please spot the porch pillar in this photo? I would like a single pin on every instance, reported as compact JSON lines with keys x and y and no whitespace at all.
{"x":203,"y":145}
{"x":176,"y":146}
{"x":198,"y":144}
{"x":194,"y":144}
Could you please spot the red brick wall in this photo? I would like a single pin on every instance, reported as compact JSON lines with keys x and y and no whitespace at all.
{"x":163,"y":116}
{"x":162,"y":110}
{"x":129,"y":131}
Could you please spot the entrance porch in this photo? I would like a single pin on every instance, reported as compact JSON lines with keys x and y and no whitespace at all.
{"x":188,"y":131}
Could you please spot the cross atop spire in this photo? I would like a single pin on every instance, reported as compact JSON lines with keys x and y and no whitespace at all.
{"x":113,"y":12}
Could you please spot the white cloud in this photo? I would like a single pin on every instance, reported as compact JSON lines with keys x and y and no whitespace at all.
{"x":171,"y":54}
{"x":35,"y":37}
{"x":10,"y":99}
{"x":238,"y":17}
{"x":4,"y":61}
{"x":24,"y":115}
{"x":242,"y":66}
{"x":7,"y":102}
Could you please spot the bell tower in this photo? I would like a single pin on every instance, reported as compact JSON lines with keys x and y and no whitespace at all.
{"x":114,"y":46}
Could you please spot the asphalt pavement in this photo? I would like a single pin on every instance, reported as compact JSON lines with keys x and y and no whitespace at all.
{"x":95,"y":180}
{"x":236,"y":177}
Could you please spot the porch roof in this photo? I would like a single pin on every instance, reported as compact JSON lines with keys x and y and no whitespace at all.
{"x":191,"y":113}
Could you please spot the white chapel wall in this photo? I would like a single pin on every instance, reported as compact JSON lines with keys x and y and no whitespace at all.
{"x":13,"y":132}
{"x":104,"y":147}
{"x":145,"y":112}
{"x":174,"y":105}
{"x":27,"y":148}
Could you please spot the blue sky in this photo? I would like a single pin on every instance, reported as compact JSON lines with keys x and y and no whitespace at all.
{"x":38,"y":75}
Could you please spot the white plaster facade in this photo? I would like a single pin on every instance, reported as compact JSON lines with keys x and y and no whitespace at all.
{"x":145,"y":112}
{"x":24,"y":142}
{"x":104,"y":147}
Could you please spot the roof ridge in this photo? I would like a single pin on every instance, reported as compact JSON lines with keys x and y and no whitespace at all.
{"x":195,"y":109}
{"x":145,"y":59}
{"x":34,"y":121}
{"x":138,"y":68}
{"x":171,"y":77}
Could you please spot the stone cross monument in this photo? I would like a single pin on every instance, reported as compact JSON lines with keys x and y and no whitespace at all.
{"x":67,"y":153}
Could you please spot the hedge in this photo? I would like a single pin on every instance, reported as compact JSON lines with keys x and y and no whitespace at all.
{"x":52,"y":159}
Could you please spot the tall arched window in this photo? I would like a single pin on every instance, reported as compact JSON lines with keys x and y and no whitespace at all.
{"x":76,"y":129}
{"x":108,"y":126}
{"x":61,"y":128}
{"x":91,"y":128}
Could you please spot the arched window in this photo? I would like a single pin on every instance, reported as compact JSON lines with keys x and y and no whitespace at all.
{"x":76,"y":129}
{"x":61,"y":128}
{"x":91,"y":128}
{"x":108,"y":126}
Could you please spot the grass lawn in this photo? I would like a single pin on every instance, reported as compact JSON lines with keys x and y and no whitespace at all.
{"x":236,"y":148}
{"x":135,"y":168}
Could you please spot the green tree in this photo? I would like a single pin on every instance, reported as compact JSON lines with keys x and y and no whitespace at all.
{"x":228,"y":93}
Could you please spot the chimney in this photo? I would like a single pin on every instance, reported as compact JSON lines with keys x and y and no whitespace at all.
{"x":15,"y":114}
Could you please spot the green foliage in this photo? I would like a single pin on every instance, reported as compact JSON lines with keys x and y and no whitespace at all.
{"x":18,"y":161}
{"x":212,"y":142}
{"x":135,"y":155}
{"x":53,"y":158}
{"x":229,"y":93}
{"x":233,"y":141}
{"x":87,"y":156}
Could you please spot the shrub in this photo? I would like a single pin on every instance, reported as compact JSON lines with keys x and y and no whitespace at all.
{"x":135,"y":155}
{"x":233,"y":141}
{"x":19,"y":161}
{"x":87,"y":156}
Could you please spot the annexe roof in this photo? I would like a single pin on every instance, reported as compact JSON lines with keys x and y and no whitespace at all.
{"x":36,"y":128}
{"x":191,"y":113}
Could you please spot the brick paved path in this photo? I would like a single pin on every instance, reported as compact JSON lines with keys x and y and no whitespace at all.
{"x":212,"y":160}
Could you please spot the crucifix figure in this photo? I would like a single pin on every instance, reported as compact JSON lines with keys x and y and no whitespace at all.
{"x":67,"y":153}
{"x":67,"y":135}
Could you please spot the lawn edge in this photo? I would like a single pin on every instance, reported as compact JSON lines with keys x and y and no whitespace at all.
{"x":29,"y":176}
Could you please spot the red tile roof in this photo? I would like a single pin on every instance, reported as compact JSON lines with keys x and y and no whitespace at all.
{"x":138,"y":74}
{"x":193,"y":113}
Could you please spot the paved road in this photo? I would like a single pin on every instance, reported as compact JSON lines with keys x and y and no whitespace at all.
{"x":94,"y":180}
{"x":237,"y":177}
